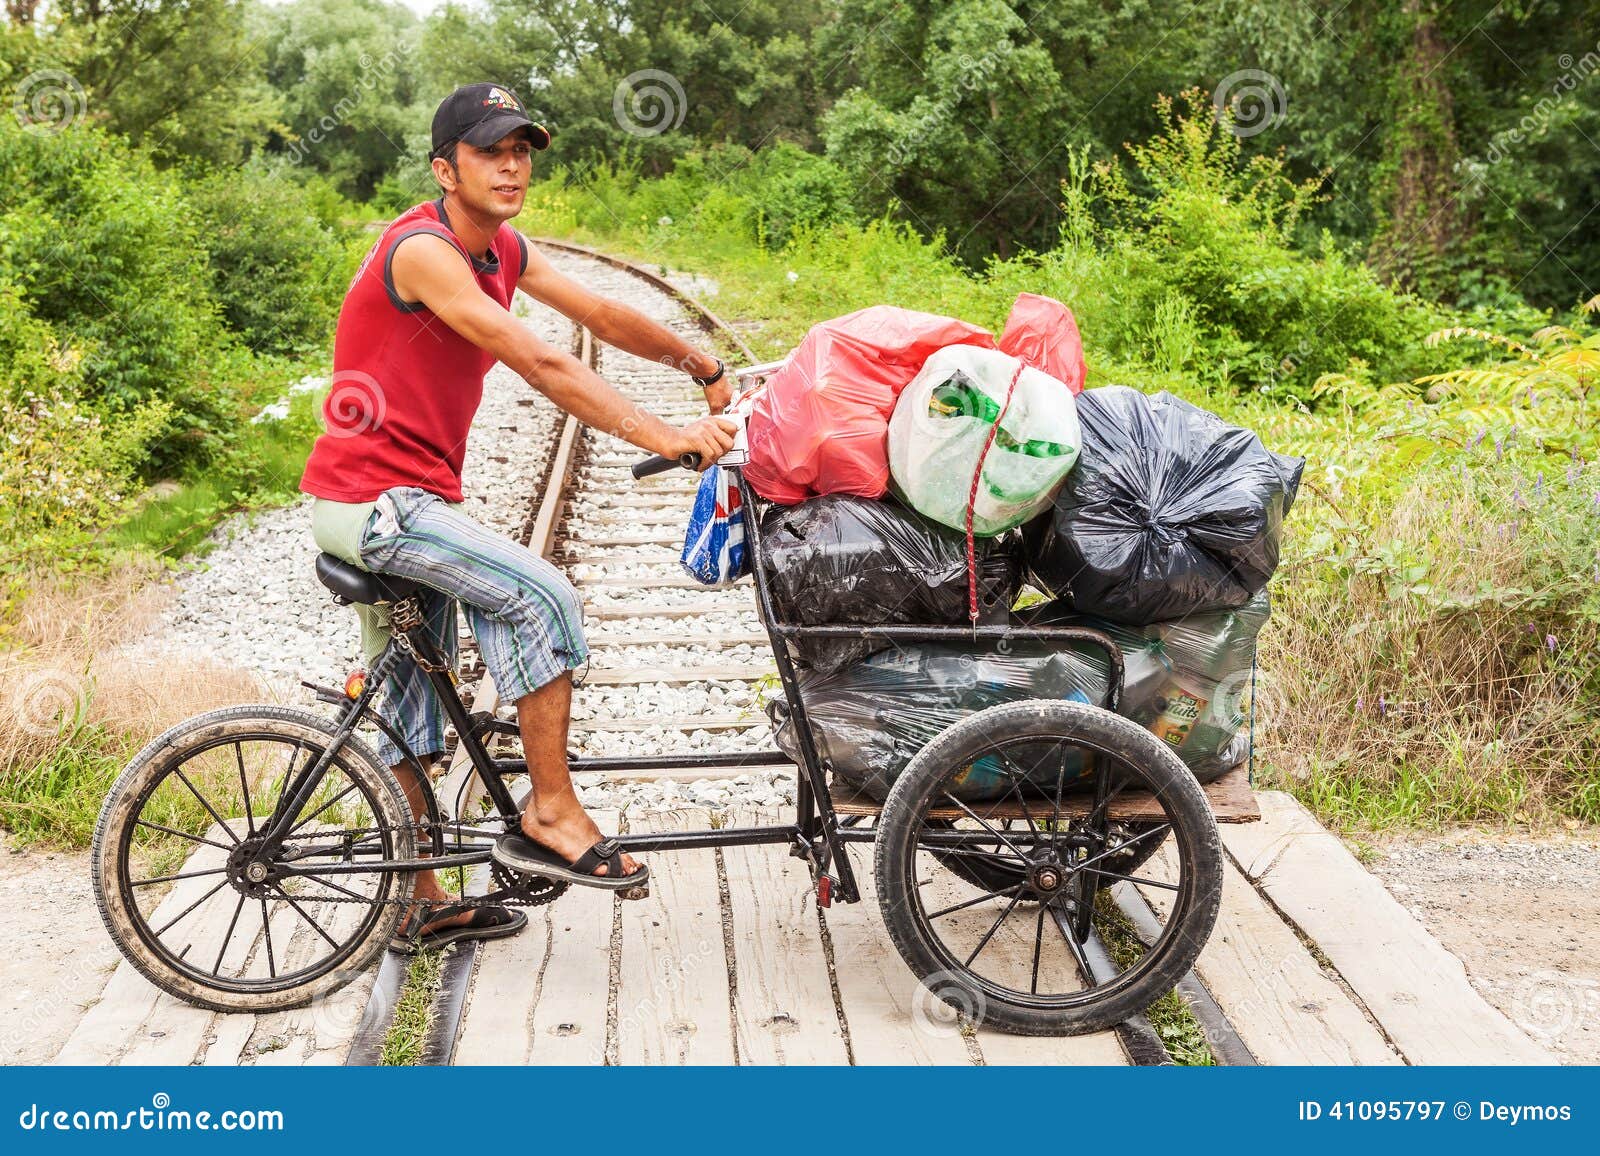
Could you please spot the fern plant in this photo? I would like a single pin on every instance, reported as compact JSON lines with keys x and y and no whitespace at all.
{"x":1539,"y":390}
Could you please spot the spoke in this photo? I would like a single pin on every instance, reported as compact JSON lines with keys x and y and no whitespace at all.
{"x":174,"y":878}
{"x":244,"y":785}
{"x":216,"y":968}
{"x":1122,"y":846}
{"x":973,"y":902}
{"x":1131,"y":879}
{"x":995,"y":856}
{"x":1038,"y":946}
{"x":266,"y":930}
{"x":320,"y":809}
{"x":209,"y":808}
{"x":988,"y":935}
{"x":190,"y":908}
{"x":1100,"y":807}
{"x":181,"y":835}
{"x":1061,"y":779}
{"x":985,"y":825}
{"x":317,"y":927}
{"x":1017,"y":779}
{"x":1060,"y":920}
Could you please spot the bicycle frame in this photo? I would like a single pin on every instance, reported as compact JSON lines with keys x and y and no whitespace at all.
{"x":817,"y":833}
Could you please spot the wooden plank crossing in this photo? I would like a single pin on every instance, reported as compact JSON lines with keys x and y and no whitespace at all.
{"x":1408,"y":982}
{"x":134,"y":1022}
{"x":729,"y":960}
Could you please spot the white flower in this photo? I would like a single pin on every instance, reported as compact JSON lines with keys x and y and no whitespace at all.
{"x":793,"y":276}
{"x":663,"y":220}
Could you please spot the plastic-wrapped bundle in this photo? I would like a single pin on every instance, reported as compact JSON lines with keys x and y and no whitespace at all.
{"x":1170,"y":511}
{"x":842,"y":560}
{"x":1183,"y":680}
{"x":941,"y":430}
{"x":872,"y":717}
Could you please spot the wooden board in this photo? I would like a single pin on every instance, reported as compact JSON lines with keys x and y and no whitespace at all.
{"x":134,"y":1021}
{"x":540,"y":997}
{"x":1006,"y":959}
{"x":1231,"y":799}
{"x":1276,"y":996}
{"x":891,"y":1019}
{"x":1415,"y":989}
{"x":673,"y":1004}
{"x":783,"y":1002}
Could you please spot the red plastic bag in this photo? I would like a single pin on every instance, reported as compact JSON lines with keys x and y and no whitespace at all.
{"x":1042,"y":332}
{"x":822,"y":424}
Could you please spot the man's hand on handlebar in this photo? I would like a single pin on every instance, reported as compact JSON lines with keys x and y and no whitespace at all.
{"x":710,"y":437}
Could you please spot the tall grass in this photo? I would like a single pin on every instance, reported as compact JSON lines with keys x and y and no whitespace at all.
{"x":81,"y":699}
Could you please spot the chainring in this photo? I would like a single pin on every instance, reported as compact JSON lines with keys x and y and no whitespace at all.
{"x":523,"y":889}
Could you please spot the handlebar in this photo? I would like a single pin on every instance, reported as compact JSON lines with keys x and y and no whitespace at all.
{"x":657,"y":464}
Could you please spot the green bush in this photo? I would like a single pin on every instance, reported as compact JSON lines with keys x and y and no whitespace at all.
{"x":279,"y":270}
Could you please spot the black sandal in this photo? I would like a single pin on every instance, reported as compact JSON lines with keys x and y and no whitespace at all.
{"x":517,"y":851}
{"x":486,"y":923}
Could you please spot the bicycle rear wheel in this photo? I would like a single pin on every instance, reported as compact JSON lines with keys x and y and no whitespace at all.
{"x":195,"y":902}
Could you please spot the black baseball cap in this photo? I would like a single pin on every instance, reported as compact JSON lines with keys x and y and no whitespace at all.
{"x":481,"y":114}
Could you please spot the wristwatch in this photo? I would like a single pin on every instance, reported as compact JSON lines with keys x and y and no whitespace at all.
{"x":706,"y":382}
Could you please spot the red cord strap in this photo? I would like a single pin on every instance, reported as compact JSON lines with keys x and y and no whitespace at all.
{"x":972,"y":499}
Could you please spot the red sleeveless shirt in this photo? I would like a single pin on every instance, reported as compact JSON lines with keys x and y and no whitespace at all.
{"x":405,"y":385}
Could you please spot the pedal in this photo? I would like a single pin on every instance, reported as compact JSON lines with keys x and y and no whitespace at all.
{"x":825,"y":891}
{"x":640,"y":892}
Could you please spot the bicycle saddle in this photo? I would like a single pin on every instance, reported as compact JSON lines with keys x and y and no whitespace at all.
{"x":350,"y":584}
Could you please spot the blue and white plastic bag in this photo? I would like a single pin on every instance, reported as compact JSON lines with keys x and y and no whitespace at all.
{"x":713,"y":543}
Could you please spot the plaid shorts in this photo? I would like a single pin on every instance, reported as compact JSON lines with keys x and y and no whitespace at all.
{"x":525,"y":615}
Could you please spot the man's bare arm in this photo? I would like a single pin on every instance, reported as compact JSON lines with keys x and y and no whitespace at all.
{"x":611,"y":321}
{"x":431,"y":270}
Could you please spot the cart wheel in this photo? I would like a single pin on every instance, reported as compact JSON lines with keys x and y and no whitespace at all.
{"x":1001,"y":872}
{"x":1028,"y":939}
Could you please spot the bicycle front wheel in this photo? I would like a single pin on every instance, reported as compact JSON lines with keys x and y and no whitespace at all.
{"x":194,"y":900}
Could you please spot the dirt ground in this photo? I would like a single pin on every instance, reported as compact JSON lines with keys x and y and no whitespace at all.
{"x":1523,"y":916}
{"x":59,"y":956}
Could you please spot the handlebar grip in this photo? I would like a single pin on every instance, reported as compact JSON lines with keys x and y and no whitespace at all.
{"x":660,"y":465}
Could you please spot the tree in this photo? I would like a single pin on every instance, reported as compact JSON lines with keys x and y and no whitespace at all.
{"x":180,"y":77}
{"x":347,"y":73}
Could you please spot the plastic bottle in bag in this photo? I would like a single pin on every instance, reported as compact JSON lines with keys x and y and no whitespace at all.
{"x":941,"y":429}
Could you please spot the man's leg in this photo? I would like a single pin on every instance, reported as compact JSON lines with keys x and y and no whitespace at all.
{"x":552,"y":815}
{"x":427,"y":885}
{"x":528,"y":623}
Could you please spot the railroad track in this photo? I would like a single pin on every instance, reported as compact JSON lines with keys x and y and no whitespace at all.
{"x":675,"y":668}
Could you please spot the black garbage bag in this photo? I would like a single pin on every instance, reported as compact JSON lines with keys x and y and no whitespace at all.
{"x":845,"y":560}
{"x":1184,"y":680}
{"x":1171,"y":511}
{"x":872,"y":717}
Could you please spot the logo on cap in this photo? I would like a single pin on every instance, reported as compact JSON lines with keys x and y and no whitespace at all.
{"x":500,"y":98}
